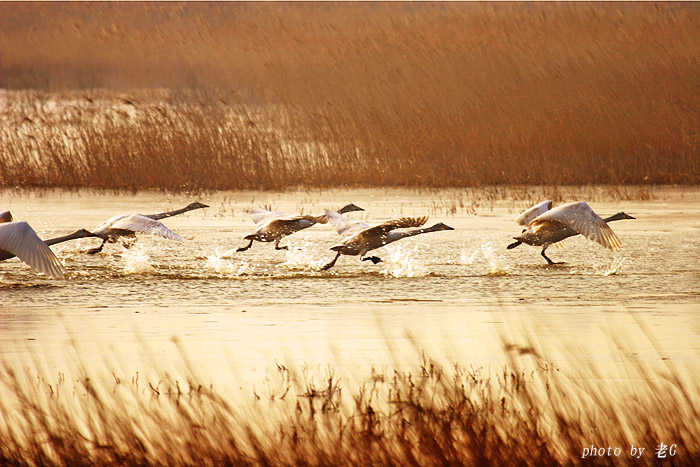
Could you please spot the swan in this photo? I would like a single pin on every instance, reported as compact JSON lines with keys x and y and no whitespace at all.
{"x":343,"y":225}
{"x":19,"y":239}
{"x":274,"y":226}
{"x":376,"y":237}
{"x":545,"y":226}
{"x":126,"y":225}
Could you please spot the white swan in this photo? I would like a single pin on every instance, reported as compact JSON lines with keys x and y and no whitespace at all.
{"x":274,"y":226}
{"x":545,"y":226}
{"x":126,"y":225}
{"x":343,"y":225}
{"x":375,"y":237}
{"x":19,"y":239}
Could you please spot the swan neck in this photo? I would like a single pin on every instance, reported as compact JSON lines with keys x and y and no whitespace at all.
{"x":616,"y":217}
{"x":163,"y":215}
{"x":65,"y":238}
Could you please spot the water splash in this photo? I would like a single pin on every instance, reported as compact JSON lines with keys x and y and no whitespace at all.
{"x":218,"y":263}
{"x":402,"y":263}
{"x":298,"y":258}
{"x":615,"y":268}
{"x":136,"y":261}
{"x":487,"y":256}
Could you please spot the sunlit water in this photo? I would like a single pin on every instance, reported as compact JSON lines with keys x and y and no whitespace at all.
{"x":458,"y":294}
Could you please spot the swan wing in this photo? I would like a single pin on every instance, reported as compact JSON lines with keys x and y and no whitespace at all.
{"x":580,"y":217}
{"x":343,"y":225}
{"x":527,"y":216}
{"x":294,"y":223}
{"x":20,"y":239}
{"x":143,"y":224}
{"x":388,"y":226}
{"x":102,"y":230}
{"x":260,"y":215}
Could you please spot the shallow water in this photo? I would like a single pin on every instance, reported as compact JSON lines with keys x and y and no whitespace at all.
{"x":458,"y":294}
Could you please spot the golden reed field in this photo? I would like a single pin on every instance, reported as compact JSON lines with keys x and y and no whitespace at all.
{"x":430,"y":415}
{"x":276,"y":96}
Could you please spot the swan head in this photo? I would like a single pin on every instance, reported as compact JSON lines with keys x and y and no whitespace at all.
{"x":5,"y":216}
{"x":349,"y":208}
{"x":196,"y":205}
{"x":441,"y":226}
{"x":619,"y":216}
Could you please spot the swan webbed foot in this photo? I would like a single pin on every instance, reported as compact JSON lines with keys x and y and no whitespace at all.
{"x":277,"y":247}
{"x":549,"y":261}
{"x":374,"y":259}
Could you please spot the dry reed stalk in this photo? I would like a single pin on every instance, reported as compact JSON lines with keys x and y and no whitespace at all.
{"x":432,"y":415}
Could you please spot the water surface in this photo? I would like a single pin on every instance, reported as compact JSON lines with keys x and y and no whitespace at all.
{"x":457,"y":293}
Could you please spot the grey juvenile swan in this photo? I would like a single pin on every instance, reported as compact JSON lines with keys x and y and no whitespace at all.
{"x":274,"y":226}
{"x":545,"y":226}
{"x":375,"y":237}
{"x":19,"y":239}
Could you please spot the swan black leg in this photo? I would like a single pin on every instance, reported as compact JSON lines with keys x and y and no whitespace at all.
{"x":374,"y":259}
{"x":244,"y":248}
{"x":549,"y":260}
{"x":331,"y":264}
{"x":94,"y":251}
{"x":278,"y":247}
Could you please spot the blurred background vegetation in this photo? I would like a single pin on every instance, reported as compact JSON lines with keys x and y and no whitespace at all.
{"x":281,"y":95}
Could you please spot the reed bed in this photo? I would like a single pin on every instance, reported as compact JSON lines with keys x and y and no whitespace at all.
{"x":206,"y":96}
{"x":528,"y":413}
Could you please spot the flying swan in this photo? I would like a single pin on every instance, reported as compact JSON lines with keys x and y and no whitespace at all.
{"x":126,"y":225}
{"x":545,"y":226}
{"x":274,"y":226}
{"x":375,"y":237}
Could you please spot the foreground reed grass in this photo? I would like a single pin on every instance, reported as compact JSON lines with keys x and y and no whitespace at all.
{"x":271,"y":96}
{"x":529,"y":413}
